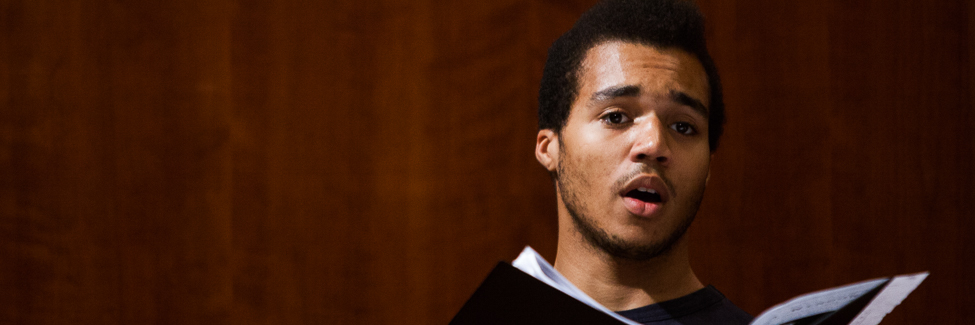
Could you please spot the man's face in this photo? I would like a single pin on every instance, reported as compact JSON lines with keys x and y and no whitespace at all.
{"x":632,"y":161}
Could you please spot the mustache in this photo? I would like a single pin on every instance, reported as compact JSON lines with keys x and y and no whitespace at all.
{"x":639,"y":170}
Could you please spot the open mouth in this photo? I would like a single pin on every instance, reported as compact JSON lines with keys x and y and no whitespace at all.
{"x":644,"y":194}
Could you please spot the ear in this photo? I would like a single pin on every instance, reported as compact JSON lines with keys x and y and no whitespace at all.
{"x":710,"y":160}
{"x":547,"y":149}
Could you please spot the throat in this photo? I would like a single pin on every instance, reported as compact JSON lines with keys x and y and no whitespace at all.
{"x":621,"y":284}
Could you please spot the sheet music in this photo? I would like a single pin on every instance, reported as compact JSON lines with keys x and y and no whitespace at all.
{"x":888,"y":298}
{"x":529,"y":261}
{"x":815,"y":303}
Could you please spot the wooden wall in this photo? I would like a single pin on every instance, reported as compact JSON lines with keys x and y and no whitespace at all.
{"x":367,"y":162}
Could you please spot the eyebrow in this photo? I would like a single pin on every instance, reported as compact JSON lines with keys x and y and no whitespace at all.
{"x":685,"y":99}
{"x":632,"y":91}
{"x":615,"y":92}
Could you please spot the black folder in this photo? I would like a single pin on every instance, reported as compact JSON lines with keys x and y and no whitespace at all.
{"x":510,"y":296}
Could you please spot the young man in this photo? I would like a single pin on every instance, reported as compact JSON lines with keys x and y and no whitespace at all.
{"x":630,"y":112}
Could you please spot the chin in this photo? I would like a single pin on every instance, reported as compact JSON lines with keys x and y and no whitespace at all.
{"x":633,"y":242}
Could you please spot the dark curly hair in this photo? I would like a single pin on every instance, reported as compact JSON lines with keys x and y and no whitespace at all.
{"x":658,"y":23}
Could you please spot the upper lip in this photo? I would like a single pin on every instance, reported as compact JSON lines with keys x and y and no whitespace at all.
{"x":648,"y":181}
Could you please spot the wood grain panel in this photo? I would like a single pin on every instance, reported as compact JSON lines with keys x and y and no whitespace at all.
{"x":413,"y":124}
{"x":115,"y":194}
{"x":849,"y":152}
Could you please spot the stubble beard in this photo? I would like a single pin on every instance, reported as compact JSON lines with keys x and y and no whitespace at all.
{"x":613,"y":244}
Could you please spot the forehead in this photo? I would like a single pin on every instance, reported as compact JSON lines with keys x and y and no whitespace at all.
{"x":657,"y":70}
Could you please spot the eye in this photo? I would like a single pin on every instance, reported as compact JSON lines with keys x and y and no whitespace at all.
{"x":684,"y":128}
{"x":615,"y":118}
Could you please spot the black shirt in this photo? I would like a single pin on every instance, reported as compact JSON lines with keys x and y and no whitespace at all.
{"x":705,"y":306}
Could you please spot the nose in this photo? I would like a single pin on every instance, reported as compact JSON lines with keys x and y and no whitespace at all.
{"x":651,"y":143}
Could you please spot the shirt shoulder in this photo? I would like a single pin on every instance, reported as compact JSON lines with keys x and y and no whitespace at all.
{"x":705,"y":306}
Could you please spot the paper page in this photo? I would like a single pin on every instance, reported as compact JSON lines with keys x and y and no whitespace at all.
{"x":815,"y":303}
{"x":530,"y":262}
{"x":888,"y":298}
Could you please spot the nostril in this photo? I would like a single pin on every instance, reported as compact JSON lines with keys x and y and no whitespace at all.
{"x":662,"y":159}
{"x":641,"y":156}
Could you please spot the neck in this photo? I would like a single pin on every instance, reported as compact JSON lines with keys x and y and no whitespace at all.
{"x":621,"y":284}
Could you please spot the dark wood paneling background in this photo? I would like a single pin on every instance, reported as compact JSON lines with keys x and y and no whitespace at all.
{"x":350,"y":162}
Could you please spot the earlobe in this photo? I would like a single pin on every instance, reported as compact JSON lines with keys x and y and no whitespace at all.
{"x":547,"y":149}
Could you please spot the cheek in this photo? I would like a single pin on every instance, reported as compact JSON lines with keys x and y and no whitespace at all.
{"x":696,"y":169}
{"x":584,"y":171}
{"x":594,"y":156}
{"x":598,"y":160}
{"x":604,"y":146}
